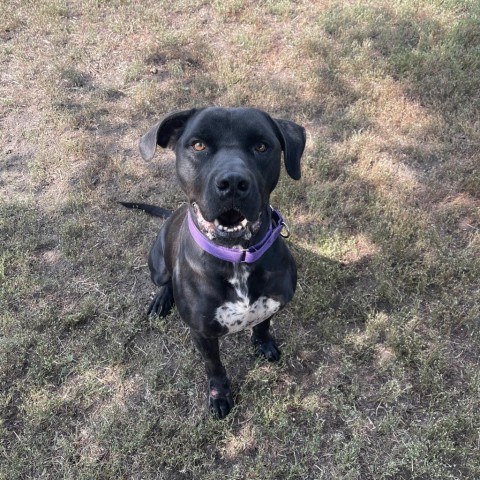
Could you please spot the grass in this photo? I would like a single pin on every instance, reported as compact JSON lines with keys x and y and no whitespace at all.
{"x":379,"y":377}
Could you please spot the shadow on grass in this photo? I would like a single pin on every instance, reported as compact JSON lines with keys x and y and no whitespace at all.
{"x":436,"y":63}
{"x":366,"y":345}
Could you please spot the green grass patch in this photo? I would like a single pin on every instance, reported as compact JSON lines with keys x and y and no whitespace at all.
{"x":379,"y":374}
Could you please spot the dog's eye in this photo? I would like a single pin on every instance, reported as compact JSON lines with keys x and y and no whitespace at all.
{"x":261,"y":147}
{"x":199,"y":146}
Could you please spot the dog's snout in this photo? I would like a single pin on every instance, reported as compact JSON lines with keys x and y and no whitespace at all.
{"x":232,"y":183}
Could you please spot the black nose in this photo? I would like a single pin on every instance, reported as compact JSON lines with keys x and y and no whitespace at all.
{"x":231,"y":184}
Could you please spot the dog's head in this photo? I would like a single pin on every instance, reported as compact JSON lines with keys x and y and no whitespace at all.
{"x":228,"y":163}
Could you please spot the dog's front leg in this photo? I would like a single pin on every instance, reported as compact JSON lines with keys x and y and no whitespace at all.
{"x":219,"y":395}
{"x":264,"y":343}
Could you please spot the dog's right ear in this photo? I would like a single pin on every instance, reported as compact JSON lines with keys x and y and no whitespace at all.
{"x":164,"y":133}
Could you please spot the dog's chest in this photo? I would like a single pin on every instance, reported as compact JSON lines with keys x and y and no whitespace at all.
{"x":242,"y":313}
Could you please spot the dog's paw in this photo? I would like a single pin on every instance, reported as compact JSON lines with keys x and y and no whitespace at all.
{"x":162,"y":302}
{"x":267,"y":349}
{"x":220,"y":400}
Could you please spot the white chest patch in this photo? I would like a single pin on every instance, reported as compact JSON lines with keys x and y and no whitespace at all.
{"x":242,"y":314}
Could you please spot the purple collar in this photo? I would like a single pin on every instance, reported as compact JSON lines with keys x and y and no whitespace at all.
{"x":239,"y":255}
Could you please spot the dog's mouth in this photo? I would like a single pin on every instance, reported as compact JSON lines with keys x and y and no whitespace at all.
{"x":229,"y":224}
{"x":231,"y":221}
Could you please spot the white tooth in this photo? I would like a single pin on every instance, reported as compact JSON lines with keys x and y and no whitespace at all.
{"x":216,"y":222}
{"x":220,"y":227}
{"x":244,"y":222}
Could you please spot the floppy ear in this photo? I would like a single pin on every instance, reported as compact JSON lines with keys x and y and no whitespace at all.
{"x":293,"y":138}
{"x":164,"y":133}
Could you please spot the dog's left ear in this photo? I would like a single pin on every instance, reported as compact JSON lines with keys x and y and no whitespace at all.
{"x":164,"y":133}
{"x":293,"y":139}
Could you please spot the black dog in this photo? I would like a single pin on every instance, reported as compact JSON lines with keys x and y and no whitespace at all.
{"x":220,"y":258}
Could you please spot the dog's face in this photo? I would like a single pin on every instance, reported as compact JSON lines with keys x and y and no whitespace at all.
{"x":228,"y":163}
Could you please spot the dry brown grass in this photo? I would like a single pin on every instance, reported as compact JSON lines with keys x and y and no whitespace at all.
{"x":379,"y":377}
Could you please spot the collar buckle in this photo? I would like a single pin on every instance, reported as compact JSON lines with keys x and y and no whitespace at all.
{"x":285,"y":233}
